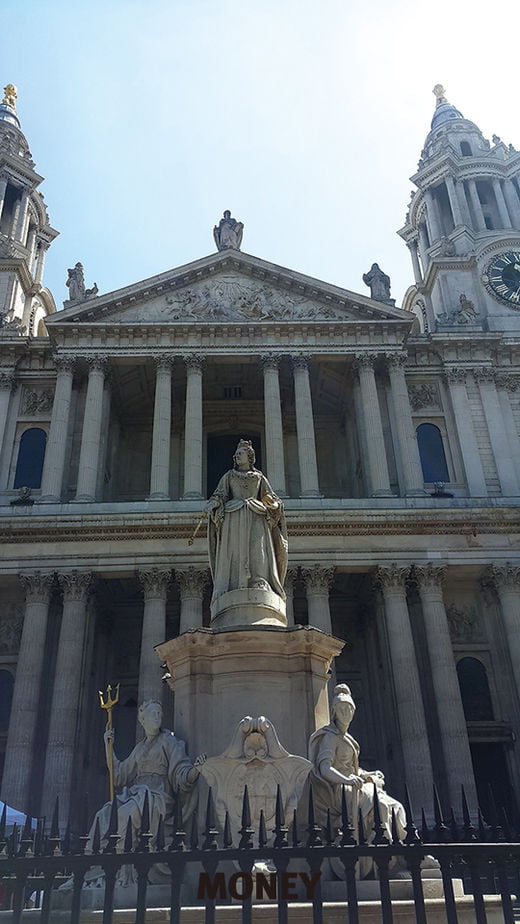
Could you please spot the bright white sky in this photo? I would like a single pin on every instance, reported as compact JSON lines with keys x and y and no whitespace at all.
{"x":304,"y":117}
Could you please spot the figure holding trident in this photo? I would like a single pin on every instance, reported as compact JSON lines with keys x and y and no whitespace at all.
{"x":108,"y":704}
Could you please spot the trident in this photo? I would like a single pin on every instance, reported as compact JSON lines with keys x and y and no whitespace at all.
{"x":109,"y":704}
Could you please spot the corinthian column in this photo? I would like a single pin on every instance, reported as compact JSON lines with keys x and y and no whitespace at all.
{"x":475,"y":480}
{"x":160,"y":471}
{"x":378,"y":476}
{"x":413,"y":480}
{"x":273,"y":425}
{"x":290,"y":578}
{"x":506,"y":579}
{"x":66,"y":695}
{"x":497,"y":432}
{"x":19,"y":755}
{"x":54,"y":464}
{"x":452,"y":723}
{"x":193,"y":429}
{"x":309,"y":486}
{"x":7,"y":380}
{"x":91,"y":435}
{"x":407,"y":687}
{"x":318,"y":582}
{"x":192,"y":582}
{"x":155,"y":587}
{"x":506,"y":386}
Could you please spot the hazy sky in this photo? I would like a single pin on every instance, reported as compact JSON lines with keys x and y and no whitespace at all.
{"x":304,"y":118}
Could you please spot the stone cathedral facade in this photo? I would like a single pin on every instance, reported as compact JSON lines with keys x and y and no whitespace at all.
{"x":391,"y":433}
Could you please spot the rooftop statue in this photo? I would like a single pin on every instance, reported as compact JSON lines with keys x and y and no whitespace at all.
{"x":379,"y":283}
{"x":76,"y":285}
{"x":228,"y":233}
{"x":10,"y":96}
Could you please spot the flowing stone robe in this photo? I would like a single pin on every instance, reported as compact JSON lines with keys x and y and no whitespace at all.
{"x":247,"y":535}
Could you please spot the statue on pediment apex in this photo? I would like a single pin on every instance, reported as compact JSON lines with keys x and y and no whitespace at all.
{"x":76,"y":285}
{"x":378,"y":282}
{"x":228,"y":233}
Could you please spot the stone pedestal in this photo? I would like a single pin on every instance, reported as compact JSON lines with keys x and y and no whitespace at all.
{"x":219,"y":676}
{"x":248,"y":606}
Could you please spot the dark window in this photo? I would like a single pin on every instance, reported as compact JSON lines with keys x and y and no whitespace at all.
{"x":431,"y":451}
{"x":30,"y":459}
{"x":489,"y":222}
{"x":6,"y":699}
{"x":474,"y":690}
{"x":465,"y":149}
{"x":232,"y":391}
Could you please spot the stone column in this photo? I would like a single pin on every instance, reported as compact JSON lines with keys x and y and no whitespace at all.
{"x":161,"y":439}
{"x":432,"y":216}
{"x":54,"y":464}
{"x":407,"y":687}
{"x":193,"y":429}
{"x":290,"y":578}
{"x":66,"y":694}
{"x":477,"y":206}
{"x":424,"y":244}
{"x":155,"y":586}
{"x":463,"y":200}
{"x":318,"y":582}
{"x":378,"y":476}
{"x":507,"y":385}
{"x":501,"y":203}
{"x":497,"y":432}
{"x":452,"y":723}
{"x":19,"y":755}
{"x":21,"y":216}
{"x":454,"y":201}
{"x":91,"y":435}
{"x":413,"y":479}
{"x":192,"y":582}
{"x":274,"y":448}
{"x":309,"y":486}
{"x":3,"y":187}
{"x":7,"y":380}
{"x":412,"y":247}
{"x":513,"y":202}
{"x":41,"y":250}
{"x":475,"y":480}
{"x":506,"y":579}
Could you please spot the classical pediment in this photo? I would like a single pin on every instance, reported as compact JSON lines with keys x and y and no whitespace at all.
{"x":227,"y":289}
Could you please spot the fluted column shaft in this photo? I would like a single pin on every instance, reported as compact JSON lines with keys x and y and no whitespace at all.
{"x":7,"y":380}
{"x":413,"y":479}
{"x":193,"y":429}
{"x":290,"y":578}
{"x":378,"y":476}
{"x":40,"y":265}
{"x":274,"y":447}
{"x":477,"y":206}
{"x":501,"y":203}
{"x":161,"y":438}
{"x":507,"y":385}
{"x":412,"y":247}
{"x":432,"y":216}
{"x":309,"y":485}
{"x":318,"y":582}
{"x":19,"y":756}
{"x":20,"y":216}
{"x":507,"y":582}
{"x":155,"y":588}
{"x":512,"y":200}
{"x":454,"y":201}
{"x":192,"y":582}
{"x":497,"y":432}
{"x":66,"y":695}
{"x":467,"y":439}
{"x":407,"y":687}
{"x":452,"y":723}
{"x":54,"y":464}
{"x":91,"y":435}
{"x":3,"y":187}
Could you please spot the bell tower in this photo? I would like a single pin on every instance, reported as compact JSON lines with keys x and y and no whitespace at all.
{"x":25,"y":231}
{"x":463,"y":228}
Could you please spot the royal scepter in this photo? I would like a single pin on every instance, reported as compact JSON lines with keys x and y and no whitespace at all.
{"x":107,"y":702}
{"x":198,"y":526}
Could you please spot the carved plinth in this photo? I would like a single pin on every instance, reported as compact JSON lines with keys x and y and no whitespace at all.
{"x":219,"y":676}
{"x":248,"y":606}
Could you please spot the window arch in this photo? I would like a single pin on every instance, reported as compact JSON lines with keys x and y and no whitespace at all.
{"x":431,"y":451}
{"x":474,"y":690}
{"x":30,"y":458}
{"x":6,"y":698}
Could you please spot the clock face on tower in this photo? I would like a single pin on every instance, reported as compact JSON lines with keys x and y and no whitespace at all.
{"x":502,"y":277}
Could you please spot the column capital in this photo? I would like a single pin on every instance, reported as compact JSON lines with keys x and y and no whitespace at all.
{"x":97,"y":363}
{"x":194,"y":362}
{"x":506,"y":575}
{"x":290,"y":577}
{"x":37,"y":586}
{"x":300,"y":361}
{"x":75,"y":585}
{"x":391,"y":577}
{"x":192,"y":581}
{"x":163,"y":361}
{"x":155,"y":582}
{"x":429,"y":577}
{"x":396,"y":360}
{"x":484,"y":375}
{"x":318,"y":578}
{"x":270,"y":361}
{"x":64,"y":363}
{"x":365,"y":360}
{"x":7,"y":378}
{"x":508,"y":381}
{"x":455,"y":375}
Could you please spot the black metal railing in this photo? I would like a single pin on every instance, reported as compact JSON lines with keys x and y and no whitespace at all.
{"x":484,"y":855}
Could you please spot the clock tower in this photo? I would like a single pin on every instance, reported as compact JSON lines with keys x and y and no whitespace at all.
{"x":463,"y":228}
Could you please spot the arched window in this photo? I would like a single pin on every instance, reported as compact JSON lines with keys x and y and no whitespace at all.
{"x":474,"y":690}
{"x":465,"y":149}
{"x":431,"y":451}
{"x":6,"y":699}
{"x":30,"y":458}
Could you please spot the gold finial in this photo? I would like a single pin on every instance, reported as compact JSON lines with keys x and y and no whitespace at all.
{"x":10,"y":95}
{"x":439,"y":92}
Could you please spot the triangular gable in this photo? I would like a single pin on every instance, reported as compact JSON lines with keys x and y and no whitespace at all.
{"x":229,"y":286}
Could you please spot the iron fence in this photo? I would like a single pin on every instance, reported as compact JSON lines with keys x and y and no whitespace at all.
{"x":485,"y":856}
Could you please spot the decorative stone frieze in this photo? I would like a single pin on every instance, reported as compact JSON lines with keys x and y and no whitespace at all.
{"x":509,"y":382}
{"x":463,"y":623}
{"x":11,"y":624}
{"x":7,"y":379}
{"x":423,"y":394}
{"x":75,"y":584}
{"x":36,"y":401}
